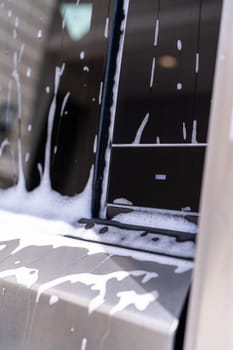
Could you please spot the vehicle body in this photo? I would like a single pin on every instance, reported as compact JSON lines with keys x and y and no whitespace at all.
{"x":99,"y":210}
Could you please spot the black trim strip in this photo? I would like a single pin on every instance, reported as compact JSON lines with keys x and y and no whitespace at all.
{"x":180,"y":236}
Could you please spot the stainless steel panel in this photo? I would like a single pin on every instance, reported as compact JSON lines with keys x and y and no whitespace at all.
{"x":56,"y":298}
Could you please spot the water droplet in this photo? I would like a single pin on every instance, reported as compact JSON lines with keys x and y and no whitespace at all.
{"x":28,"y":72}
{"x":27,"y":156}
{"x":82,"y":55}
{"x":179,"y":86}
{"x":179,"y":45}
{"x":39,"y":34}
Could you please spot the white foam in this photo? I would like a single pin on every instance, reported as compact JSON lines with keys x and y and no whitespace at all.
{"x":84,"y":344}
{"x":179,"y":86}
{"x":152,"y":242}
{"x":82,"y":55}
{"x":21,"y":51}
{"x":28,"y":72}
{"x":152,"y":76}
{"x":23,"y":275}
{"x":156,"y":36}
{"x":27,"y":157}
{"x":53,"y":299}
{"x":46,"y":182}
{"x":97,"y":283}
{"x":46,"y":203}
{"x":86,"y":69}
{"x":64,"y":103}
{"x":158,"y":220}
{"x":122,"y":201}
{"x":140,"y":130}
{"x":197,"y":63}
{"x":194,"y":132}
{"x":179,"y":45}
{"x":3,"y":145}
{"x":184,"y":131}
{"x":100,"y":92}
{"x":19,"y":227}
{"x":43,"y":201}
{"x":39,"y":34}
{"x":95,"y":144}
{"x":140,"y":301}
{"x":106,"y":29}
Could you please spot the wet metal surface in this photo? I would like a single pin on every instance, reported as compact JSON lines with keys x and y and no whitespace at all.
{"x":82,"y":295}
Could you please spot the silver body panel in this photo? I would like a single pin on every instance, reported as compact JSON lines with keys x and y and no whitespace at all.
{"x":210,"y":316}
{"x":65,"y":293}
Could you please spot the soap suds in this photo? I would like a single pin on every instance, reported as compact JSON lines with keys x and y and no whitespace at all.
{"x":43,"y":201}
{"x":179,"y":45}
{"x":53,"y":299}
{"x":23,"y":275}
{"x":156,"y":36}
{"x":64,"y":103}
{"x":184,"y":131}
{"x":82,"y":55}
{"x":19,"y":227}
{"x":152,"y":76}
{"x":158,"y":220}
{"x":46,"y":203}
{"x":84,"y":344}
{"x":194,"y":132}
{"x":106,"y":29}
{"x":141,"y":128}
{"x":139,"y":239}
{"x":122,"y":201}
{"x":3,"y":145}
{"x":140,"y":301}
{"x":97,"y":283}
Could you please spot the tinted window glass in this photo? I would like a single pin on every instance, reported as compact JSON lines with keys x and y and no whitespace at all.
{"x":164,"y":102}
{"x":39,"y":38}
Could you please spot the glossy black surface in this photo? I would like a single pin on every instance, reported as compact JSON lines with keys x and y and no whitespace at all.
{"x":166,"y":76}
{"x":195,"y":25}
{"x":149,"y":178}
{"x":74,"y":134}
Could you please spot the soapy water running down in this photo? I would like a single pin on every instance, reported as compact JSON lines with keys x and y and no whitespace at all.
{"x":44,"y":201}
